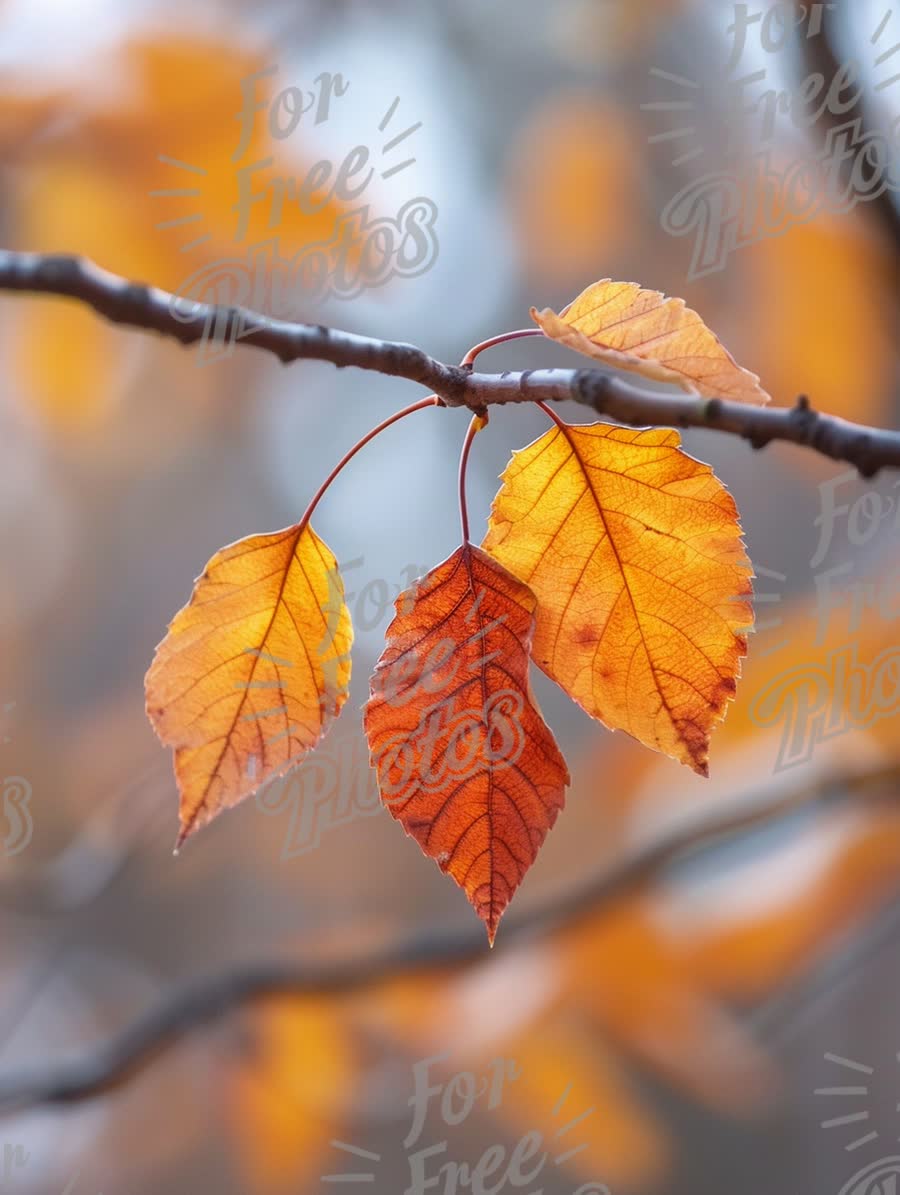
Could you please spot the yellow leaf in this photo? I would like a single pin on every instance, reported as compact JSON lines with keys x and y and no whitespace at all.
{"x":252,"y":670}
{"x":626,"y":327}
{"x":285,"y":1099}
{"x":634,"y":551}
{"x":68,"y":208}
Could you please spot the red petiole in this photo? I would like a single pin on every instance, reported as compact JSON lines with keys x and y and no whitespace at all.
{"x":431,"y":401}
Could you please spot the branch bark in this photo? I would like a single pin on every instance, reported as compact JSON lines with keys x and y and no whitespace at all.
{"x":210,"y":998}
{"x":150,"y":309}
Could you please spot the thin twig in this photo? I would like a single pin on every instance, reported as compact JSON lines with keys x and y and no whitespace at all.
{"x":209,"y":998}
{"x":151,"y":309}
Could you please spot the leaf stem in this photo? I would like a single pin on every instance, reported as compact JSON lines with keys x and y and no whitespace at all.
{"x":476,"y":423}
{"x":520,"y":334}
{"x":431,"y":401}
{"x":551,"y":414}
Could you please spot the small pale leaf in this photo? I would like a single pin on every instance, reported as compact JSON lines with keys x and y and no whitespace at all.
{"x":639,"y":330}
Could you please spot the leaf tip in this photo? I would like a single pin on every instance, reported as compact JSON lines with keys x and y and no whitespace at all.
{"x":183,"y":834}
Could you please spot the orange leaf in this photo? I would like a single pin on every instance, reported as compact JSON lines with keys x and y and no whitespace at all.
{"x":820,"y":288}
{"x":465,"y":761}
{"x":655,"y":1009}
{"x":252,"y":670}
{"x":634,"y":551}
{"x":626,"y":327}
{"x":855,"y":872}
{"x":569,"y":1075}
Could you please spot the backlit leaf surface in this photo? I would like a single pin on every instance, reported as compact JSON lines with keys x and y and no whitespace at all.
{"x":253,"y":669}
{"x":634,"y":552}
{"x":627,"y":327}
{"x":465,"y":761}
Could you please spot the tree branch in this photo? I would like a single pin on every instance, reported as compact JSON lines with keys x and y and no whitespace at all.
{"x":150,"y":309}
{"x":209,"y":998}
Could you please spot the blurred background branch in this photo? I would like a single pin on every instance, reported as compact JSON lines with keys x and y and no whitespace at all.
{"x":207,"y":999}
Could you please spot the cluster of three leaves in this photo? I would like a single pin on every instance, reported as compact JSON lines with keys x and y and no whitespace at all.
{"x":612,"y":559}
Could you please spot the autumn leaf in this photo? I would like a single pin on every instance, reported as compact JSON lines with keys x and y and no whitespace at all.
{"x":569,"y":1075}
{"x":634,"y":552}
{"x":253,"y":669}
{"x":829,"y":284}
{"x":657,"y":1010}
{"x":570,"y":178}
{"x":284,"y":1096}
{"x":104,"y":181}
{"x":627,"y":327}
{"x":465,"y":761}
{"x":528,"y":1020}
{"x":852,"y":876}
